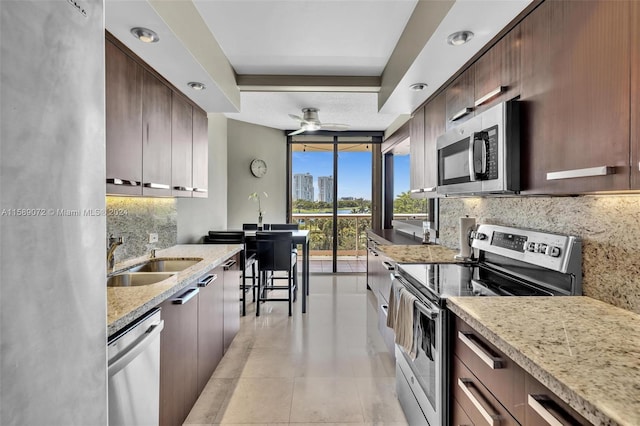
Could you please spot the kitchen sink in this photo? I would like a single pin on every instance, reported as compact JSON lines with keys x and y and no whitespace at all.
{"x":137,"y":279}
{"x":165,"y":265}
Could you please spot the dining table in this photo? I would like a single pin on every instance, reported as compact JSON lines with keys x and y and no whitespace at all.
{"x":300,"y":237}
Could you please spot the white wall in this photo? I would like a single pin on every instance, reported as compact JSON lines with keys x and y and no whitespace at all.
{"x":246,"y":142}
{"x":196,"y":216}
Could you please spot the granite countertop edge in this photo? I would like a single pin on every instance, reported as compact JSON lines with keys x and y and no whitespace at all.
{"x":182,"y":279}
{"x":579,"y":403}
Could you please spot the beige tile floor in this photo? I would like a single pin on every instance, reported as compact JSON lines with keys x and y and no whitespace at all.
{"x":327,"y":367}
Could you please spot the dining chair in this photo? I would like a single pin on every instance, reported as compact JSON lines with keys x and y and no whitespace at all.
{"x":247,"y":259}
{"x":284,"y":226}
{"x":274,"y":254}
{"x":249,"y":226}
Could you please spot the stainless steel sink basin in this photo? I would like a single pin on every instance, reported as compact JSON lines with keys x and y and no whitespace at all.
{"x":165,"y":265}
{"x":137,"y":279}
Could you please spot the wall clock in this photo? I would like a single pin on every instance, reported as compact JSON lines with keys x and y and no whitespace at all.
{"x":258,"y":168}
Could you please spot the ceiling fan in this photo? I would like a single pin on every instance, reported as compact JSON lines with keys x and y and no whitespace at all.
{"x":310,"y":121}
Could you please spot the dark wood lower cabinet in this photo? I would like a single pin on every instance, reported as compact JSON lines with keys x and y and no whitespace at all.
{"x":178,"y":358}
{"x":210,"y":324}
{"x":232,"y":279}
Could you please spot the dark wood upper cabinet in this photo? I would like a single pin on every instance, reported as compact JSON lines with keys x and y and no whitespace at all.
{"x":575,"y":88}
{"x":416,"y":153}
{"x":434,"y":126}
{"x":200,"y":154}
{"x":460,"y":96}
{"x":156,"y":137}
{"x":497,"y":72}
{"x":123,"y":122}
{"x":181,"y":146}
{"x":635,"y":94}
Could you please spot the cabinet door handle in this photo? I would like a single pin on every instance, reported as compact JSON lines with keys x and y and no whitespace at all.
{"x":536,"y":403}
{"x":229,"y":264}
{"x":156,"y":185}
{"x":458,"y":115}
{"x":477,"y":400}
{"x":416,"y":191}
{"x":186,"y":296}
{"x":578,"y":173}
{"x":125,"y":182}
{"x":199,"y":190}
{"x":207,"y":280}
{"x":491,"y":94}
{"x":430,"y":189}
{"x":493,"y":362}
{"x":388,"y":266}
{"x":183,"y":188}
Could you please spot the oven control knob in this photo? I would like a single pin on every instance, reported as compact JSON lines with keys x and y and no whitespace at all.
{"x":531,"y":246}
{"x":553,"y":251}
{"x":542,"y":248}
{"x":481,"y":236}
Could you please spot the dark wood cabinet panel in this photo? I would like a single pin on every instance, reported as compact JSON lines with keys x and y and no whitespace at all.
{"x":578,"y":108}
{"x":458,"y":416}
{"x":123,"y":121}
{"x":210,"y":325}
{"x":181,"y":146}
{"x":542,"y":405}
{"x":416,"y":153}
{"x":635,"y":94}
{"x":200,"y":154}
{"x":232,"y":280}
{"x":178,"y":360}
{"x":435,"y":125}
{"x":156,"y":137}
{"x":459,"y":98}
{"x":497,"y":72}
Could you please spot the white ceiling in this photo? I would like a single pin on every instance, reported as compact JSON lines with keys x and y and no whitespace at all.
{"x":302,"y":37}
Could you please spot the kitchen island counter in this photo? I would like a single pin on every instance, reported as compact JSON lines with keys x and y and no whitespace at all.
{"x":125,"y":304}
{"x":585,"y":351}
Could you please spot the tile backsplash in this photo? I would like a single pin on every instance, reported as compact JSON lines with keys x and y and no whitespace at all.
{"x":608,"y":225}
{"x":134,"y":218}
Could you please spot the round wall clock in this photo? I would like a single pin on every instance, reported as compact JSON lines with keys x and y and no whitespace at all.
{"x":258,"y":168}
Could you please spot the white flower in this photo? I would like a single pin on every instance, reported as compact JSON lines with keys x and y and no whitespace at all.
{"x":256,"y":197}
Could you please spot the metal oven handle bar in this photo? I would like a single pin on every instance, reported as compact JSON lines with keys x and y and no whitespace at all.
{"x":493,"y":362}
{"x":536,"y":403}
{"x":470,"y":391}
{"x":431,"y":313}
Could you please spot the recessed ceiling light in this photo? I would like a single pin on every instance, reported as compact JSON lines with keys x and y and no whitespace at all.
{"x":459,"y":38}
{"x":196,"y":85}
{"x":145,"y":35}
{"x":417,"y":87}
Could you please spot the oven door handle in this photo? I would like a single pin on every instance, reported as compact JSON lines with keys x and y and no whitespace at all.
{"x":431,"y":313}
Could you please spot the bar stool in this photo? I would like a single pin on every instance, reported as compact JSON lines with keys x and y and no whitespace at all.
{"x":274,"y":254}
{"x":247,"y":258}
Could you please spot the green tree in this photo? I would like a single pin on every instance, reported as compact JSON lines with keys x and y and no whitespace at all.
{"x":405,"y":204}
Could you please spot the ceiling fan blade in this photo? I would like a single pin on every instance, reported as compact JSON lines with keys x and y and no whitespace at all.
{"x":296,"y":117}
{"x":297,"y":132}
{"x":334,"y":126}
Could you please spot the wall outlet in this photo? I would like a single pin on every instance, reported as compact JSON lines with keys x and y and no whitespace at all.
{"x":153,"y":237}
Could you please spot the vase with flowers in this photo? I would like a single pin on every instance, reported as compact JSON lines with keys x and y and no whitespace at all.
{"x":256,"y":197}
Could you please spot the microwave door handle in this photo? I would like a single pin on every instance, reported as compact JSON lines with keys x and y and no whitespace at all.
{"x":483,"y":139}
{"x":472,"y":162}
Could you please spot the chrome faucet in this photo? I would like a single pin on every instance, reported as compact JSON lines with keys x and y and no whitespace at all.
{"x":111,"y":248}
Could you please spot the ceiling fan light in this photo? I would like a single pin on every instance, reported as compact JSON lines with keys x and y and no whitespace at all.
{"x":312,"y":126}
{"x":459,"y":38}
{"x":145,"y":35}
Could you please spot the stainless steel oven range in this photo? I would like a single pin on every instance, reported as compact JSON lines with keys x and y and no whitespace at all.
{"x":510,"y":262}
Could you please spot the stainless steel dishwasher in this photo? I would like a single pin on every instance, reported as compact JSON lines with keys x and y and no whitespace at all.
{"x":134,"y":372}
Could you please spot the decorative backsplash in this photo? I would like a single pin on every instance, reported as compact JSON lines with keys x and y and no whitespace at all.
{"x":134,"y":218}
{"x":608,"y":225}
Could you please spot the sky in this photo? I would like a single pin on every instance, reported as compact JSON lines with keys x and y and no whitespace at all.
{"x":354,"y":171}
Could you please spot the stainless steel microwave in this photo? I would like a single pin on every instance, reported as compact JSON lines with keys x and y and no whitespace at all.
{"x":482,"y":155}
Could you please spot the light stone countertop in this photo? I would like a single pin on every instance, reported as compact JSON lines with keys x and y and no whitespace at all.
{"x":431,"y":253}
{"x":125,"y":304}
{"x":585,"y":351}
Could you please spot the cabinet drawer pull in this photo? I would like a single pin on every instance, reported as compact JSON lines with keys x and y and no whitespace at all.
{"x":578,"y":173}
{"x":458,"y":115}
{"x":182,"y":188}
{"x":477,"y":400}
{"x":388,"y":266}
{"x":156,"y":185}
{"x":536,"y":403}
{"x":416,"y":191}
{"x":186,"y":296}
{"x":491,"y":94}
{"x":385,"y":309}
{"x":430,"y":189}
{"x":199,"y":190}
{"x":493,"y":362}
{"x":207,"y":280}
{"x":229,"y":264}
{"x":125,"y":182}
